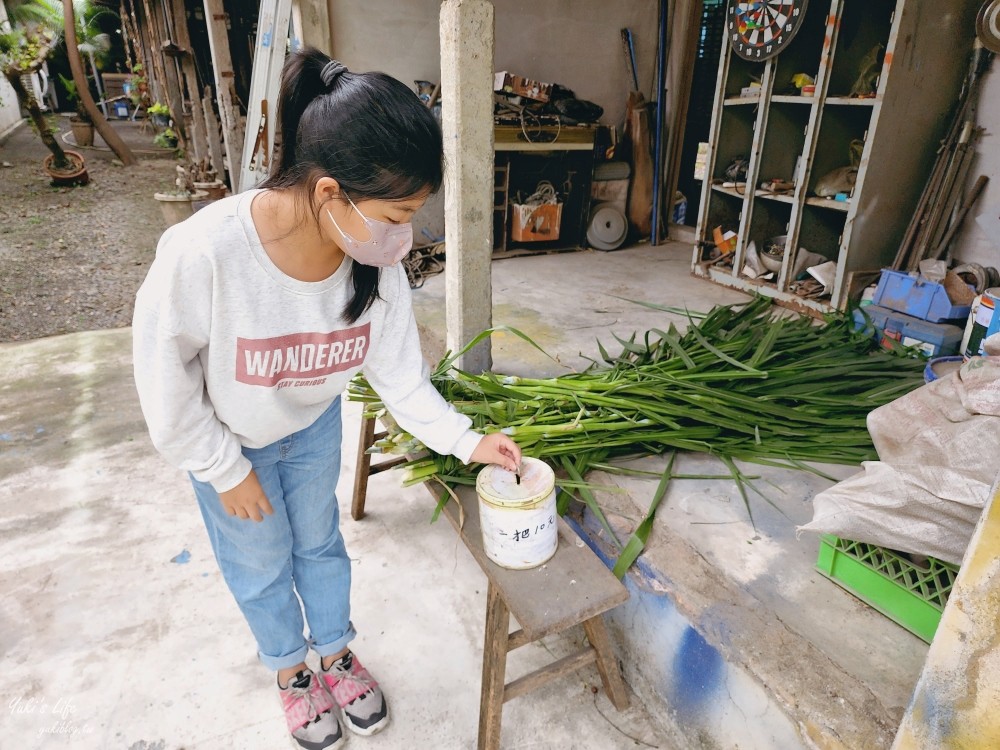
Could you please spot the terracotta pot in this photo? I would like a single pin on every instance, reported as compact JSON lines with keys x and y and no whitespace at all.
{"x":177,"y":208}
{"x":83,"y":132}
{"x":216,"y":190}
{"x":74,"y":174}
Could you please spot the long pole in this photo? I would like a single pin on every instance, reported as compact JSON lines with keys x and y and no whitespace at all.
{"x":661,"y":72}
{"x":114,"y":141}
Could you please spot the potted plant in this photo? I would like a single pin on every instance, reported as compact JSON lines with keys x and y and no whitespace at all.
{"x":203,"y":177}
{"x":33,"y":32}
{"x":80,"y":123}
{"x":177,"y":204}
{"x":160,"y":114}
{"x":166,"y":139}
{"x":136,"y":86}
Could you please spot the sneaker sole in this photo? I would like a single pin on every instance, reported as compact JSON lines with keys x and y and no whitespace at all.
{"x":364,"y":731}
{"x":335,"y":746}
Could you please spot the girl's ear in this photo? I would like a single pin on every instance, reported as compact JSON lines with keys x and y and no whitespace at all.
{"x":326,"y":189}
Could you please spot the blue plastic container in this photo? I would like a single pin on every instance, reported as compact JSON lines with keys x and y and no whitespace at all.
{"x":934,"y":339}
{"x":917,"y":297}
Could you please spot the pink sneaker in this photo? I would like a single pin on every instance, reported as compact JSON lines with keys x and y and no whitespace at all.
{"x":358,"y":695}
{"x":309,"y":713}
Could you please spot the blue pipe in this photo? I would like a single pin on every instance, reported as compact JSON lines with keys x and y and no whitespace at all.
{"x":661,"y":79}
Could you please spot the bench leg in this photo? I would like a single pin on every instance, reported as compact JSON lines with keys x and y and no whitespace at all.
{"x":494,"y":670}
{"x":363,"y":468}
{"x":607,"y":664}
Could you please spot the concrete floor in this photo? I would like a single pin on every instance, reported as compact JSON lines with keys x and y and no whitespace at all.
{"x":117,"y":631}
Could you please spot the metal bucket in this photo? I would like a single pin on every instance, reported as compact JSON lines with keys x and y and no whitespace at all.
{"x":518,"y":519}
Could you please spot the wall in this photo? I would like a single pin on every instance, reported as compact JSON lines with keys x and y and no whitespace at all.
{"x":10,"y":110}
{"x":974,"y":244}
{"x":575,"y":43}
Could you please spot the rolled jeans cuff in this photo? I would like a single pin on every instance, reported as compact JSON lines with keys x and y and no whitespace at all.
{"x":335,"y":647}
{"x":284,"y":662}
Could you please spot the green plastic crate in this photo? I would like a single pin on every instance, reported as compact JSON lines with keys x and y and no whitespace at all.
{"x":909,"y":594}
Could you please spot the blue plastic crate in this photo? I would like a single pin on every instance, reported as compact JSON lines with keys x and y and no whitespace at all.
{"x":918,"y":297}
{"x":934,"y":339}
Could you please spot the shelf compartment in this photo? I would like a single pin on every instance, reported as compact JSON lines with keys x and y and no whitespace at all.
{"x":735,"y":138}
{"x":838,"y":127}
{"x":741,"y":73}
{"x":737,"y":101}
{"x":734,"y":192}
{"x":792,"y":99}
{"x":829,"y":203}
{"x":805,"y":52}
{"x":862,"y":26}
{"x":770,"y":219}
{"x":821,"y":231}
{"x":780,"y":197}
{"x":784,"y":140}
{"x":725,"y":209}
{"x":849,"y":101}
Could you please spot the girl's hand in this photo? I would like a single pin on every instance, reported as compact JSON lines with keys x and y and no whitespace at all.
{"x":497,"y":448}
{"x":247,"y":499}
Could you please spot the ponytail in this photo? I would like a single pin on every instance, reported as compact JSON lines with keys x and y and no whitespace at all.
{"x":366,"y":130}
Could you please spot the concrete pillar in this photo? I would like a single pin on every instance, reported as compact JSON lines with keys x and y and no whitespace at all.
{"x":311,"y":21}
{"x":467,"y":118}
{"x":956,"y":698}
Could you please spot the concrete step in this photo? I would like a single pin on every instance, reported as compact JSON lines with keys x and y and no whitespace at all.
{"x":732,"y":632}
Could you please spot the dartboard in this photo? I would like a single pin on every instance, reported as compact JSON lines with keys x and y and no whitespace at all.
{"x":761,"y":30}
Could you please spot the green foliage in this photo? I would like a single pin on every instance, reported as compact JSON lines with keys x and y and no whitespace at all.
{"x":166,"y":139}
{"x":159,"y":109}
{"x":74,"y":98}
{"x":36,"y":25}
{"x":743,"y":383}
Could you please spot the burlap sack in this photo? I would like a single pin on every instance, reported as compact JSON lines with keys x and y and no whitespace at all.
{"x":939,"y":451}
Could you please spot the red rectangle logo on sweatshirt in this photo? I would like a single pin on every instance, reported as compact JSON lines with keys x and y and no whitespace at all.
{"x":300,"y":356}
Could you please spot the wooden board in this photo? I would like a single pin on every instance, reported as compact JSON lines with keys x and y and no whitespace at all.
{"x":571,"y":587}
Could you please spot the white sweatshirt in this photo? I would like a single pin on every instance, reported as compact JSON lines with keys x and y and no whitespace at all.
{"x":230,"y":352}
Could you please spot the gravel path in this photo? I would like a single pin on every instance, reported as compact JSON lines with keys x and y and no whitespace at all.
{"x":71,"y":259}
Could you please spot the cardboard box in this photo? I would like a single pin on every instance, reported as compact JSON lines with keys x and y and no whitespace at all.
{"x":535,"y":223}
{"x":520,"y":86}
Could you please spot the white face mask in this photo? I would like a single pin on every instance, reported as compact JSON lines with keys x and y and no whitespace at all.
{"x":386,"y":245}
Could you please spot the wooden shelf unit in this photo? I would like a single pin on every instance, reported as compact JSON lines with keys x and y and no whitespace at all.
{"x":802,"y":138}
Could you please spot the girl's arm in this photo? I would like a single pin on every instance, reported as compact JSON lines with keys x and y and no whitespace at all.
{"x":170,"y":328}
{"x":397,"y":371}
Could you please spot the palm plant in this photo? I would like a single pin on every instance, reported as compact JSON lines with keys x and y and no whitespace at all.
{"x":90,"y":40}
{"x":33,"y":32}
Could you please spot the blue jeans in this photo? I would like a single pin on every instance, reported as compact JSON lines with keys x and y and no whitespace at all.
{"x":297,"y":550}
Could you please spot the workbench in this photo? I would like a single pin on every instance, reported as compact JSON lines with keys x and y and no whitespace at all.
{"x":562,"y":155}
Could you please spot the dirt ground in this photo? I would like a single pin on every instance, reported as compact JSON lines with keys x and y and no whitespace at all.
{"x":71,"y":259}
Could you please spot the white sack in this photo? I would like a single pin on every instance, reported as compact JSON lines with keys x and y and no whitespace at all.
{"x":938,"y":450}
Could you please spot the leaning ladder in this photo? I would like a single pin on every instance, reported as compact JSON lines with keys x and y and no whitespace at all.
{"x":278,"y":28}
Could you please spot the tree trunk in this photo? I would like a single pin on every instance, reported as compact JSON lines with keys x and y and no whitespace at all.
{"x":114,"y":141}
{"x":27,"y":99}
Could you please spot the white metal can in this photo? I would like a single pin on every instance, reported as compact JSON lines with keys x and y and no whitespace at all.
{"x":518,"y":519}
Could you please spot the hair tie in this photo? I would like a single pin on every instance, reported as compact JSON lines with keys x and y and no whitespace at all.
{"x":331,"y":71}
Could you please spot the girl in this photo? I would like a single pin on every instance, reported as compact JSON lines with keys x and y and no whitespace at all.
{"x":255,"y":314}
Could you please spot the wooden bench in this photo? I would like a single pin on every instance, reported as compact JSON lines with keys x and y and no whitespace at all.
{"x":572,"y":588}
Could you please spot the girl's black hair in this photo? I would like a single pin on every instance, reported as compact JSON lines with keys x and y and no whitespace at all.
{"x":366,"y":130}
